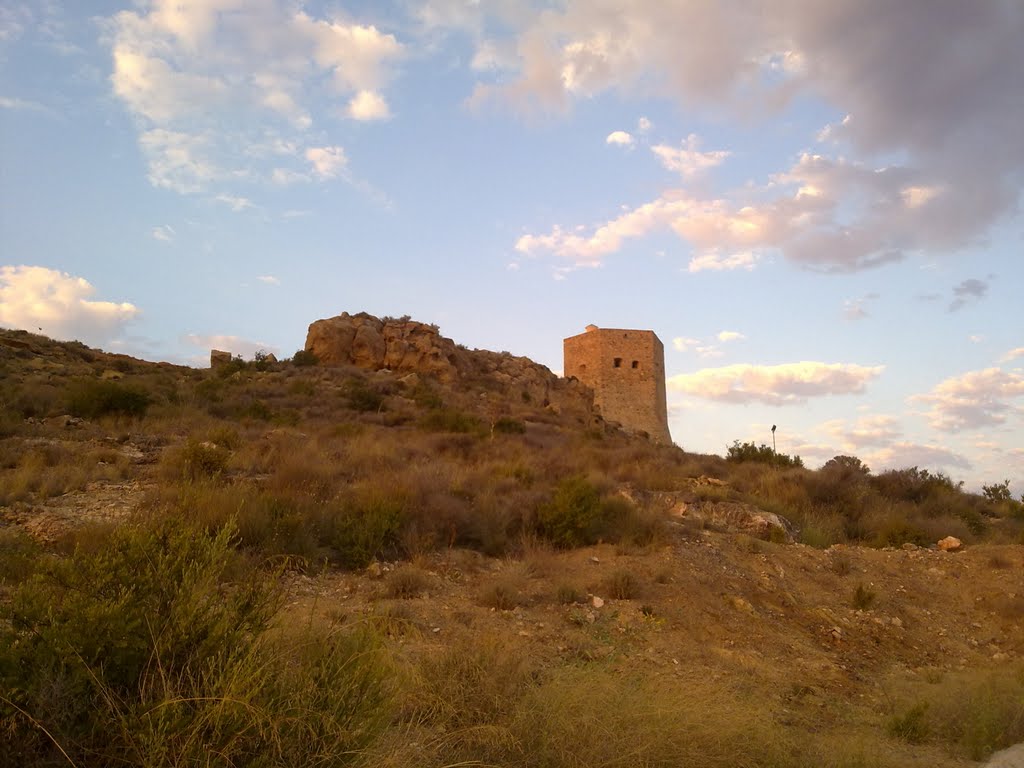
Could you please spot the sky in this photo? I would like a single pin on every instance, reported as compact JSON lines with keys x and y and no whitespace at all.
{"x":815,"y":205}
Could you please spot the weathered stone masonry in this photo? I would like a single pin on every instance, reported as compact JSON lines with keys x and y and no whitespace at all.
{"x":626,"y":370}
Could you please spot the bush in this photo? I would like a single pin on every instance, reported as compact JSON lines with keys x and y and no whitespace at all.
{"x":406,"y":583}
{"x":622,"y":585}
{"x":574,"y":516}
{"x":447,"y":420}
{"x":509,"y":426}
{"x":304,"y":358}
{"x":365,"y":527}
{"x":19,"y":554}
{"x":863,"y":597}
{"x":202,"y":459}
{"x":143,"y":653}
{"x":361,"y":397}
{"x":92,"y":398}
{"x":744,"y":452}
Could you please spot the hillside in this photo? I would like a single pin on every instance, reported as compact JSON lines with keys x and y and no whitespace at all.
{"x":455,"y":560}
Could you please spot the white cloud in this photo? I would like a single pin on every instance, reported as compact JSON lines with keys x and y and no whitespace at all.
{"x":269,"y":279}
{"x":906,"y":454}
{"x":212,"y":81}
{"x":1013,"y":354}
{"x":918,"y":85}
{"x":234,"y":202}
{"x":620,"y":138}
{"x":974,"y":399}
{"x":688,"y":161}
{"x":716,"y":262}
{"x":154,"y":89}
{"x":60,"y":304}
{"x":285,"y":176}
{"x":643,"y":125}
{"x":178,"y":161}
{"x":823,"y":214}
{"x":236,"y":345}
{"x":164,"y":232}
{"x":368,"y":105}
{"x":21,"y":105}
{"x":730,"y":336}
{"x":878,"y":430}
{"x":856,"y":309}
{"x":327,"y":162}
{"x":786,"y":384}
{"x":682,"y":343}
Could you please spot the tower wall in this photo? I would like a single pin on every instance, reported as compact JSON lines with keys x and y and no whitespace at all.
{"x":626,"y":370}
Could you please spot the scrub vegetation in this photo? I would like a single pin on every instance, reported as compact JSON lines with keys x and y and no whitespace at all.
{"x":282,"y":563}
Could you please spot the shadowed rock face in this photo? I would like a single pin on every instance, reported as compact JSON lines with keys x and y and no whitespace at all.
{"x":407,"y":346}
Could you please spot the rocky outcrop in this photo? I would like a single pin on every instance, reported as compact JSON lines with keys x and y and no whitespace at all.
{"x":723,"y":515}
{"x":405,"y":346}
{"x":371,"y":343}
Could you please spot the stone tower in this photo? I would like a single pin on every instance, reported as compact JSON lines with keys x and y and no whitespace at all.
{"x":626,"y":370}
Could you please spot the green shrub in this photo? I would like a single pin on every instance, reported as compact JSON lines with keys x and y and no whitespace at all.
{"x":863,"y":597}
{"x":447,"y":420}
{"x":202,"y":459}
{"x":762,"y":454}
{"x":912,"y":725}
{"x":567,"y":594}
{"x":304,"y":358}
{"x":359,"y":396}
{"x":509,"y":426}
{"x":19,"y":554}
{"x":365,"y":527}
{"x":143,"y":653}
{"x":574,"y":516}
{"x":90,"y":399}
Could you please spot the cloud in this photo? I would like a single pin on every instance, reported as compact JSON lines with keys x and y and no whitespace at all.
{"x":683,"y":344}
{"x":621,"y":138}
{"x":968,"y":292}
{"x":716,"y":262}
{"x":687,"y":160}
{"x":786,"y":384}
{"x":1013,"y":354}
{"x":730,"y":336}
{"x":856,"y":309}
{"x":866,"y":431}
{"x":974,"y":399}
{"x":269,"y":279}
{"x":234,"y":202}
{"x":21,"y":105}
{"x":233,"y":344}
{"x":643,"y":125}
{"x":212,"y":83}
{"x":164,"y":232}
{"x":368,"y":105}
{"x":906,"y":454}
{"x":179,"y":161}
{"x":922,"y":87}
{"x":60,"y":304}
{"x":327,"y":162}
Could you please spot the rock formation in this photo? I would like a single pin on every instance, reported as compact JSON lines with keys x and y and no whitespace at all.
{"x":405,"y":346}
{"x":219,"y":357}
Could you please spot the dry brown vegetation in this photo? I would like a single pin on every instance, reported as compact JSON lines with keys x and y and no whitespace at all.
{"x":436,"y":575}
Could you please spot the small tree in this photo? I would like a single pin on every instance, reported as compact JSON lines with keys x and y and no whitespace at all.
{"x":997,"y":492}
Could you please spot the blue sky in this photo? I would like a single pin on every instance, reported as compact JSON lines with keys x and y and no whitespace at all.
{"x":814,"y":205}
